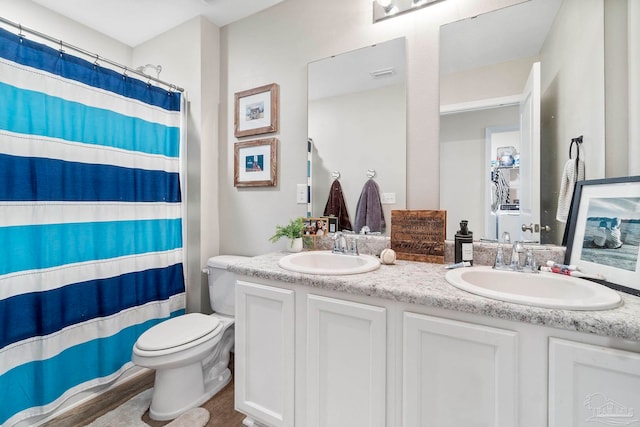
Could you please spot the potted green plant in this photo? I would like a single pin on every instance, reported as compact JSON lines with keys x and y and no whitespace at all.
{"x":293,"y":231}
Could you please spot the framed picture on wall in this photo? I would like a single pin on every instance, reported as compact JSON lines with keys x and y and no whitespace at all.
{"x":604,"y":231}
{"x":256,"y":163}
{"x":256,"y":111}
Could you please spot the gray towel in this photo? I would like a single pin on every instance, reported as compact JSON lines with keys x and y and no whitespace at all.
{"x":369,"y":209}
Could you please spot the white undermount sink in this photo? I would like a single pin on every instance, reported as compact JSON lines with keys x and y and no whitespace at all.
{"x":549,"y":290}
{"x":328,"y":263}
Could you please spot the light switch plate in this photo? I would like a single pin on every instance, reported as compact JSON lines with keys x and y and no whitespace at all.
{"x":301,"y":193}
{"x":388,"y":198}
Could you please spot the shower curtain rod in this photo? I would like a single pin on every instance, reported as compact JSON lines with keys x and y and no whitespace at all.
{"x":87,"y":53}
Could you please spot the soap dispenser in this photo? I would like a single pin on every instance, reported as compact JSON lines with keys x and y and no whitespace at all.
{"x":464,"y":243}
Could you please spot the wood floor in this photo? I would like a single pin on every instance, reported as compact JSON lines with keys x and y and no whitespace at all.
{"x":220,"y":406}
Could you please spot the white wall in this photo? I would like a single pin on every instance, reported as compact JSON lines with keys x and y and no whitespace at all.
{"x":572,"y":106}
{"x":33,"y":16}
{"x":463,"y":183}
{"x":634,"y":86}
{"x":498,"y":80}
{"x":275,"y":46}
{"x":190,"y":57}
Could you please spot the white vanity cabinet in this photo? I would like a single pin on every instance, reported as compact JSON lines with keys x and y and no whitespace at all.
{"x":313,"y":357}
{"x":346,"y":363}
{"x":458,"y":374}
{"x":591,"y":385}
{"x":264,"y":353}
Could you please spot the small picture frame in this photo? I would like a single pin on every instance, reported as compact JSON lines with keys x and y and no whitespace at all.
{"x":256,"y":111}
{"x":603,"y":237}
{"x":316,"y":227}
{"x":256,"y":163}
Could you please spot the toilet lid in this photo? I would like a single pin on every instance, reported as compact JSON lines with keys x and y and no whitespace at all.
{"x":178,"y":331}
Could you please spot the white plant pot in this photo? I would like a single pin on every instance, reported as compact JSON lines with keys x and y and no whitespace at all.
{"x":295,"y":245}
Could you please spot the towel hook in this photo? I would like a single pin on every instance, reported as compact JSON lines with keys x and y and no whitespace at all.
{"x":371,"y":173}
{"x":577,"y":141}
{"x":335,"y":175}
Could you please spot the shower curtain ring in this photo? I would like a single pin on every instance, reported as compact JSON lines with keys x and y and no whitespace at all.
{"x":61,"y":50}
{"x":95,"y":63}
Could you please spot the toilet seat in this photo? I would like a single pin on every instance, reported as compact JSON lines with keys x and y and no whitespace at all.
{"x":177,"y":334}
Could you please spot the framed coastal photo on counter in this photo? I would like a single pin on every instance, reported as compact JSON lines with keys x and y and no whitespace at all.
{"x":256,"y":111}
{"x":256,"y":163}
{"x":603,"y":236}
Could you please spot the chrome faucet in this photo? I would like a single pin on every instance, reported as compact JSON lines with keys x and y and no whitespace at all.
{"x":366,"y":230}
{"x":517,"y":248}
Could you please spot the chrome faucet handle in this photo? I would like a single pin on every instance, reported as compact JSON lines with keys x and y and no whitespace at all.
{"x":351,"y":241}
{"x":517,"y":249}
{"x":530,"y":265}
{"x":499,"y":264}
{"x":338,"y":242}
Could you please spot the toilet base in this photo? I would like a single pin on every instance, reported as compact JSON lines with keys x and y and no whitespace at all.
{"x":250,"y":422}
{"x":187,"y":391}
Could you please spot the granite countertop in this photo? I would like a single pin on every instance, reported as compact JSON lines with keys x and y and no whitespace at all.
{"x":424,"y":284}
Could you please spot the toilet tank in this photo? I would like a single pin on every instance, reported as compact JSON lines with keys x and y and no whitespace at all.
{"x":222,"y":283}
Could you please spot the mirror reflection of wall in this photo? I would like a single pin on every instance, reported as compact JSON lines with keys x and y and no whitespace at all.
{"x":484,"y":64}
{"x":357,"y":121}
{"x":463,"y":138}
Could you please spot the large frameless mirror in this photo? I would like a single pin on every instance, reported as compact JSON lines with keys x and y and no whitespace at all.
{"x":486,"y":64}
{"x":357,"y":122}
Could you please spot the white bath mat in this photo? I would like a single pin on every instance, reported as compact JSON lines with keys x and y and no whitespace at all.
{"x":130,"y":415}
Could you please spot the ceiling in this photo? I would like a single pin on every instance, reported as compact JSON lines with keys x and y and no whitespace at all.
{"x":356,"y":71}
{"x":133,"y":22}
{"x":486,"y":39}
{"x":496,"y":37}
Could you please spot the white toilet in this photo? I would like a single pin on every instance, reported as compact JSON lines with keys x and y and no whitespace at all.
{"x":190,"y":353}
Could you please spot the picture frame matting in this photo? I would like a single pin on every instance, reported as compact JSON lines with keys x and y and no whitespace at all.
{"x":256,"y":111}
{"x":603,"y":237}
{"x":256,"y":163}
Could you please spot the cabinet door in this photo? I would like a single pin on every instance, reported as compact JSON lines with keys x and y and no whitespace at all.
{"x":591,"y":385}
{"x":458,"y":374}
{"x":264,"y":353}
{"x":346,"y":363}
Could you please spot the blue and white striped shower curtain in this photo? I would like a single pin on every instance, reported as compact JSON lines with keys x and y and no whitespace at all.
{"x":90,"y":225}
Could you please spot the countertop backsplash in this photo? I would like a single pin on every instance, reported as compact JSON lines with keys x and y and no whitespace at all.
{"x":484,"y":253}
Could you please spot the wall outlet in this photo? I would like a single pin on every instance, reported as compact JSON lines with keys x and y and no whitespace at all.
{"x":388,"y":198}
{"x":301,"y":193}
